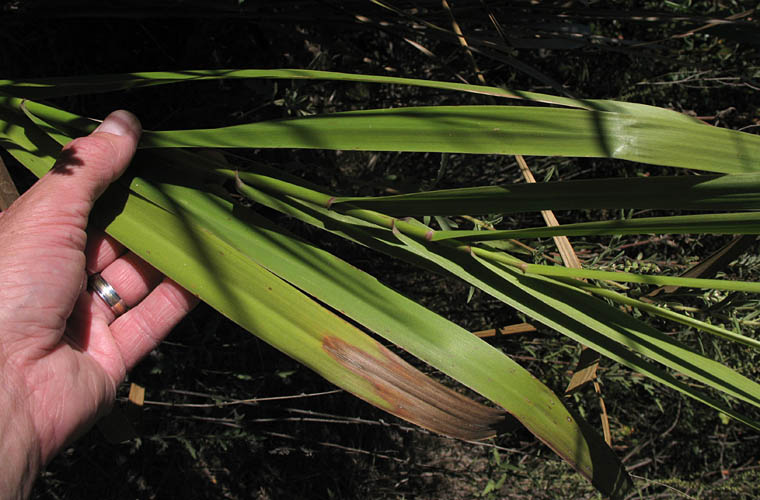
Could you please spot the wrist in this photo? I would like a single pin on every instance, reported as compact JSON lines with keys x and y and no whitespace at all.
{"x":19,"y":445}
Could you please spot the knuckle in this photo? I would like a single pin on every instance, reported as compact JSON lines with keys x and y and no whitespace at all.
{"x":89,"y":149}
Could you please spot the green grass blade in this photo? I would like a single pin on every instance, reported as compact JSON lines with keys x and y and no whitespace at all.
{"x":492,"y":130}
{"x":726,"y":192}
{"x":732,"y":223}
{"x":662,"y":312}
{"x":44,"y":88}
{"x":477,"y":129}
{"x":624,"y":277}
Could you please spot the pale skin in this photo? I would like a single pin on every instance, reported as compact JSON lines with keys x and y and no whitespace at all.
{"x":63,"y":353}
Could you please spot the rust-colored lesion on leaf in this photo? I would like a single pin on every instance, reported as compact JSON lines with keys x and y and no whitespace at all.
{"x":415,"y":397}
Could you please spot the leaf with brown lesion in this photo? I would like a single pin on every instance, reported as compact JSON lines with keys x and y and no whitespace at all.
{"x":414,"y":396}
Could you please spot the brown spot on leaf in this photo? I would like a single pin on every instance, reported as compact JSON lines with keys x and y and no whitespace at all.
{"x":414,"y":396}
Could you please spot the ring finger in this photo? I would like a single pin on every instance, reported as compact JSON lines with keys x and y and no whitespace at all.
{"x":130,"y":277}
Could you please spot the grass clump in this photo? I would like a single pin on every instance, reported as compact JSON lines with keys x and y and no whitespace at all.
{"x":668,"y":442}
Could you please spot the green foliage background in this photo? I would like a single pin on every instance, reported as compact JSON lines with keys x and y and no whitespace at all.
{"x":334,"y":446}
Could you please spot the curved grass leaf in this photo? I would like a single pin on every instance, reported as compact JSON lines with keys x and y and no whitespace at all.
{"x":43,"y":88}
{"x":492,"y":130}
{"x":480,"y":129}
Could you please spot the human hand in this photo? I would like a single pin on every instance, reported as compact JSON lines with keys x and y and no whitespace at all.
{"x":63,"y":351}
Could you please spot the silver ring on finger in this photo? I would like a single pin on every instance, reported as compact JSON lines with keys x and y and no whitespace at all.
{"x":107,"y":293}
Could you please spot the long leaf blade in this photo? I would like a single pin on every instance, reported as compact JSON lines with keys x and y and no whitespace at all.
{"x":493,"y":130}
{"x":732,"y":223}
{"x":726,"y":192}
{"x":478,"y":129}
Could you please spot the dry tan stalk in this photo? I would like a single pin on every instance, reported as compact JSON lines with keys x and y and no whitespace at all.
{"x":588,"y":363}
{"x":506,"y":330}
{"x":463,"y":42}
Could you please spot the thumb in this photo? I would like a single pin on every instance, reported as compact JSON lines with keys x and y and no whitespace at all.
{"x":63,"y":198}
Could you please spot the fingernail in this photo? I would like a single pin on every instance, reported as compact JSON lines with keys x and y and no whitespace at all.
{"x":119,"y":123}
